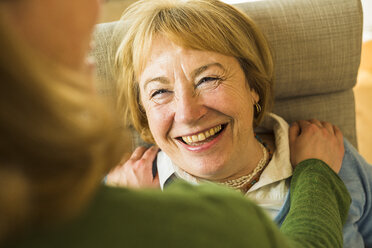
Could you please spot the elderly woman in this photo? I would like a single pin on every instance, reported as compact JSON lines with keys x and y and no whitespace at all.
{"x":198,"y":75}
{"x":58,"y":140}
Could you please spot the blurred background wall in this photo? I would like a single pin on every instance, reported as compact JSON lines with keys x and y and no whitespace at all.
{"x":112,"y":9}
{"x":367,"y":8}
{"x":363,"y":89}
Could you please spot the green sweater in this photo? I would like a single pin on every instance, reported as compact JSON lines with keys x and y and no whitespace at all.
{"x":205,"y":216}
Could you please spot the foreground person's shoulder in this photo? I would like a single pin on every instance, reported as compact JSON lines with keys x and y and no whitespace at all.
{"x":182,"y":216}
{"x":206,"y":215}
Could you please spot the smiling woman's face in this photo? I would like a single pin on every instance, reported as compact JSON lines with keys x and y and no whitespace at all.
{"x":199,"y":108}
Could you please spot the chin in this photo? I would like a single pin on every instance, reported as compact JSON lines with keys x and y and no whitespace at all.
{"x":207,"y":170}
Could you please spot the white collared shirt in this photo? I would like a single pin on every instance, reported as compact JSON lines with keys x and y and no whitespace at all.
{"x":271,"y":190}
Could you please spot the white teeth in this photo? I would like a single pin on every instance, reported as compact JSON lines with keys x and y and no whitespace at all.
{"x":211,"y":131}
{"x":202,"y":135}
{"x":207,"y":134}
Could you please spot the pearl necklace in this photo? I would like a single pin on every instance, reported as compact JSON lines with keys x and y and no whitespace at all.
{"x":237,"y":183}
{"x":240,"y":182}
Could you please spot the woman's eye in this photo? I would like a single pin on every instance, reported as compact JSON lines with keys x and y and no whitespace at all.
{"x":158,"y":92}
{"x":161,"y":96}
{"x":208,"y":79}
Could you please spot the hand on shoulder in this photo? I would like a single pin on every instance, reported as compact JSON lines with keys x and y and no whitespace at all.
{"x":316,"y":139}
{"x":136,"y":172}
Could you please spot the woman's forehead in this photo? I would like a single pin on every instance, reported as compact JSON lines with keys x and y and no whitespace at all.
{"x":168,"y":54}
{"x":162,"y":48}
{"x":188,"y":63}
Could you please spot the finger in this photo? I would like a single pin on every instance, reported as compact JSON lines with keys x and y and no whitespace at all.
{"x":303,"y":123}
{"x":294,"y":132}
{"x":137,"y":154}
{"x":316,"y":122}
{"x":338,"y":134}
{"x":150,"y":153}
{"x":328,"y":126}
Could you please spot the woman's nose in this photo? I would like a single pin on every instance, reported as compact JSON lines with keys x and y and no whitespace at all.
{"x":189,"y":108}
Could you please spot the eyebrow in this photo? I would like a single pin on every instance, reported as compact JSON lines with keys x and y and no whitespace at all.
{"x":194,"y":74}
{"x":203,"y":68}
{"x":162,"y":80}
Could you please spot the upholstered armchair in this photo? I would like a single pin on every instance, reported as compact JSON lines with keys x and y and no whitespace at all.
{"x":316,"y":46}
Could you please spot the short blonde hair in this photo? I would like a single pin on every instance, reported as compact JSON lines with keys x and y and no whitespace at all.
{"x":208,"y":25}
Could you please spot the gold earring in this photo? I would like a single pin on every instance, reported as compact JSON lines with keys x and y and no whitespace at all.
{"x":258,"y":107}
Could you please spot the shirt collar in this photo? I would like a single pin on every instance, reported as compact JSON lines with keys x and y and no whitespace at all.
{"x":279,"y":167}
{"x":165,"y":168}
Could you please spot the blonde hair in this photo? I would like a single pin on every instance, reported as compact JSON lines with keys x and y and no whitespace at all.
{"x":208,"y":25}
{"x":57,"y":138}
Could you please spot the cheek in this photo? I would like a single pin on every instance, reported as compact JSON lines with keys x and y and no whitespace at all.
{"x":160,"y":121}
{"x":232,"y":101}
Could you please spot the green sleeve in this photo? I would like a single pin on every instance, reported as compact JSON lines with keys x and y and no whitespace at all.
{"x":319,"y":206}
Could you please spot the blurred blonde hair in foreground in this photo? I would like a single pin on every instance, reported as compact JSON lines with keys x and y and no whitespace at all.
{"x":58,"y":139}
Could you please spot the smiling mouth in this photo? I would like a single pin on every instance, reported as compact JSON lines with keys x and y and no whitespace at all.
{"x":202,"y":137}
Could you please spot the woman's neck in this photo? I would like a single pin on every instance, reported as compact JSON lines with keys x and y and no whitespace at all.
{"x":245,"y":180}
{"x":249,"y":161}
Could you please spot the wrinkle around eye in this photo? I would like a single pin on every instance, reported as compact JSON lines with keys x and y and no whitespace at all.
{"x":157,"y":92}
{"x":161,"y":96}
{"x":210,"y":84}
